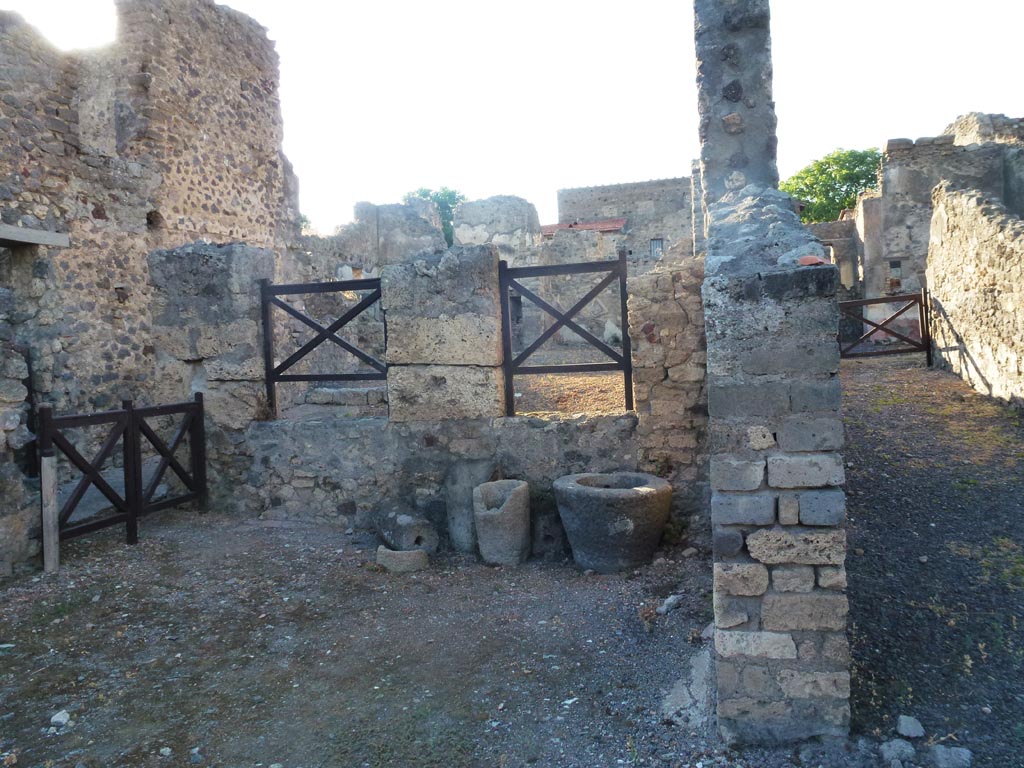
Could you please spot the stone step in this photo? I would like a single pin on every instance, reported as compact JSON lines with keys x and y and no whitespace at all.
{"x":351,"y":396}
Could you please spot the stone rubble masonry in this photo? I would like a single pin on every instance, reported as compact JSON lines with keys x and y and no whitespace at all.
{"x":19,"y":512}
{"x":666,"y":328}
{"x":737,"y":114}
{"x":976,"y":283}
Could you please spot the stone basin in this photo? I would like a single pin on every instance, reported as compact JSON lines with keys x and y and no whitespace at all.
{"x":613,"y":521}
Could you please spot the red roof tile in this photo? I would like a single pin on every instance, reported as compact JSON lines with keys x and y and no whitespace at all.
{"x":603,"y":225}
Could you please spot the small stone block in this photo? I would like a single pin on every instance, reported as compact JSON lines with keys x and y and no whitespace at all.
{"x":760,"y":645}
{"x":799,"y":613}
{"x":823,"y":507}
{"x":793,"y":578}
{"x":789,"y":510}
{"x":809,"y":470}
{"x":746,"y":509}
{"x":806,"y":433}
{"x":726,"y":542}
{"x":832,"y":577}
{"x":398,"y":561}
{"x":728,"y":474}
{"x":796,"y":684}
{"x":742,"y":578}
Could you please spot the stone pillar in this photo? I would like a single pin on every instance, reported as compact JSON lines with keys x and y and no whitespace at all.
{"x":737,"y":114}
{"x":444,"y":336}
{"x":207,"y":337}
{"x":777,"y":509}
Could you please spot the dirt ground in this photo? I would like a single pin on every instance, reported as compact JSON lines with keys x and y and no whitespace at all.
{"x":228,"y":642}
{"x":936,"y":566}
{"x":235,"y":643}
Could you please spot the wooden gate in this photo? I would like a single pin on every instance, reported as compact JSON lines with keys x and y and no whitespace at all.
{"x":516,"y":364}
{"x":909,"y":345}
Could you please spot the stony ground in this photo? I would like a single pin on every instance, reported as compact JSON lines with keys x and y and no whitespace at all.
{"x":225,"y":642}
{"x":936,"y":565}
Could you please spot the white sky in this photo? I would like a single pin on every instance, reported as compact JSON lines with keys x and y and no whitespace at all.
{"x":527,"y":97}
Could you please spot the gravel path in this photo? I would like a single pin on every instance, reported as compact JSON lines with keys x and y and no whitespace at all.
{"x":936,"y":565}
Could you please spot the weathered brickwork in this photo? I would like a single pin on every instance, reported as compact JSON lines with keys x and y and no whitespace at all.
{"x":976,"y":279}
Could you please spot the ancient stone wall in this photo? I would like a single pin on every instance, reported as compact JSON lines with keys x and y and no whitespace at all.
{"x":666,"y":328}
{"x":980,"y":128}
{"x":976,"y":281}
{"x":655,"y":211}
{"x":509,"y":223}
{"x":909,"y":172}
{"x":19,"y":511}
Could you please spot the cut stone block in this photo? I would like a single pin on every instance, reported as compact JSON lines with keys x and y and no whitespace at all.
{"x":803,"y":548}
{"x":728,"y":474}
{"x":805,"y":433}
{"x":793,"y":578}
{"x":446,"y":340}
{"x":813,"y":470}
{"x":823,"y":507}
{"x":404,"y":532}
{"x":438,"y":392}
{"x":746,"y":509}
{"x":397,"y":561}
{"x":459,"y":484}
{"x":760,"y":645}
{"x":804,"y":612}
{"x":742,"y":578}
{"x":502,"y":513}
{"x":809,"y":685}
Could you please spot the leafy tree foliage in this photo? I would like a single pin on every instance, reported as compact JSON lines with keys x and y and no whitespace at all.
{"x":830,"y":184}
{"x":447,"y":200}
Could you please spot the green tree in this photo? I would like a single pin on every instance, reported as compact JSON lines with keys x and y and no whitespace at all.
{"x":447,"y":200}
{"x":830,"y":184}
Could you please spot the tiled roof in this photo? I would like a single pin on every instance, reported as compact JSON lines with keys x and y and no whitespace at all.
{"x":603,"y":225}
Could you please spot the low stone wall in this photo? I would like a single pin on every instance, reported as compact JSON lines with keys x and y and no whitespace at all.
{"x":976,"y":281}
{"x":373,"y":466}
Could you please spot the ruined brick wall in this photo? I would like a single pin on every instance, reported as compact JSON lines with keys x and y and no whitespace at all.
{"x":980,"y":128}
{"x":909,"y":172}
{"x":655,"y":210}
{"x":976,"y":281}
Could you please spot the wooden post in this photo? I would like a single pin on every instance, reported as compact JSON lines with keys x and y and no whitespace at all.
{"x":48,"y":493}
{"x":506,"y":339}
{"x":627,"y":348}
{"x":268,"y":347}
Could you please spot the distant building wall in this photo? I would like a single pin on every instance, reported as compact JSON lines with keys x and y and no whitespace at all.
{"x":655,"y":211}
